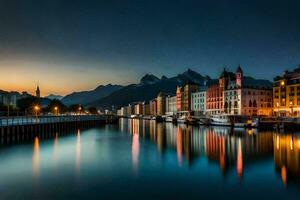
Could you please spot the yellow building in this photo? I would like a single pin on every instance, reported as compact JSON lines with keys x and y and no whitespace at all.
{"x":286,"y":94}
{"x":161,"y":103}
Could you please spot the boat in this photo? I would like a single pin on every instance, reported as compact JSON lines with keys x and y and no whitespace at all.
{"x":182,"y":119}
{"x":231,"y":120}
{"x":221,"y":120}
{"x":191,"y":120}
{"x":169,"y":119}
{"x":203,"y":120}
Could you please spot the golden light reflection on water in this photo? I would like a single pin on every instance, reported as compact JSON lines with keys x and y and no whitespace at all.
{"x":179,"y":146}
{"x":239,"y":165}
{"x":55,"y":148}
{"x":287,"y":157}
{"x":78,"y":152}
{"x":229,"y":149}
{"x":36,"y":158}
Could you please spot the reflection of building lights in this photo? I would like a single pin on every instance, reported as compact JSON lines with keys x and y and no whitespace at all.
{"x":298,"y":143}
{"x":78,"y":151}
{"x":277,"y":142}
{"x":135,"y":150}
{"x":240,"y":159}
{"x":291,"y":144}
{"x":36,"y":157}
{"x":283,"y":175}
{"x":179,"y":146}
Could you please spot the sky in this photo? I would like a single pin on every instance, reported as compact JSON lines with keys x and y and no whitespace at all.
{"x":73,"y":45}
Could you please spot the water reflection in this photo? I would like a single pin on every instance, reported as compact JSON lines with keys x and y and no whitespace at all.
{"x":286,"y":156}
{"x":135,"y":148}
{"x":36,"y":158}
{"x":78,"y":152}
{"x":232,"y":150}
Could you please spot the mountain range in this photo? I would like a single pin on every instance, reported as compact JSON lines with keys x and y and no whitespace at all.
{"x":86,"y":97}
{"x":148,"y":88}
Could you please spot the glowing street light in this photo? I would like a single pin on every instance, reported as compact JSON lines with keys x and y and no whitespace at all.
{"x":56,"y":110}
{"x":36,"y":109}
{"x":80,"y":108}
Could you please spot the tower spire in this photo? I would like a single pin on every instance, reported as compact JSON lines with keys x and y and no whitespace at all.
{"x":38,"y":92}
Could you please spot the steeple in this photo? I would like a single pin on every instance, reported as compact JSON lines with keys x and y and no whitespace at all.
{"x":239,"y":76}
{"x":38,"y":92}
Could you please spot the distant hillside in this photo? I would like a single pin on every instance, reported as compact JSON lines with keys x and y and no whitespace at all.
{"x":85,"y":97}
{"x":148,"y":89}
{"x":53,"y":96}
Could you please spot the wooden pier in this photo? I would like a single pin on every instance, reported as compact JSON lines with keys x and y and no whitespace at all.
{"x":14,"y":129}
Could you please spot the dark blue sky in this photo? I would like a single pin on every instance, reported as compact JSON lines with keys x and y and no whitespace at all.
{"x":97,"y":42}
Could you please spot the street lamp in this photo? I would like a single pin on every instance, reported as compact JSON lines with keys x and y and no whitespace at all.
{"x":80,"y":108}
{"x":36,"y":109}
{"x":56,"y":110}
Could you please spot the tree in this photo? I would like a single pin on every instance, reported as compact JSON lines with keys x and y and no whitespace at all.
{"x":77,"y":108}
{"x":93,"y":110}
{"x":56,"y":106}
{"x":27,"y":104}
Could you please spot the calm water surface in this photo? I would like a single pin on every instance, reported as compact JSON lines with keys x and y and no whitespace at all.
{"x":146,"y":160}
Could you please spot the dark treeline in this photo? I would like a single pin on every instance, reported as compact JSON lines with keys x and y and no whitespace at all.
{"x":34,"y":106}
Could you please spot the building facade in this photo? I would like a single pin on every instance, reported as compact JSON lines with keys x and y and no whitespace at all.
{"x":153,"y":107}
{"x":183,"y":97}
{"x":199,"y":102}
{"x":286,"y":94}
{"x":161,"y":103}
{"x":171,"y":108}
{"x":247,"y":96}
{"x":146,"y":109}
{"x":138,"y":108}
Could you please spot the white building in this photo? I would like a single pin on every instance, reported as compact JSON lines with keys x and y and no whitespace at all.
{"x":248,"y":96}
{"x":198,"y":102}
{"x":171,"y":105}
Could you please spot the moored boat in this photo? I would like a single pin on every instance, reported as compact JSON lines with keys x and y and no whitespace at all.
{"x":182,"y":119}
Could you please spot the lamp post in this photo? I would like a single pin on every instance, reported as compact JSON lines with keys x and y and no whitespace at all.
{"x":56,"y":110}
{"x":80,"y":108}
{"x":36,"y":109}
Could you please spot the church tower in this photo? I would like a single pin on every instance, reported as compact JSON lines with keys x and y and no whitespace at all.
{"x":239,"y":76}
{"x":37,"y":92}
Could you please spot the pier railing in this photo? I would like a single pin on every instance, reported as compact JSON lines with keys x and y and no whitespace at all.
{"x":30,"y":120}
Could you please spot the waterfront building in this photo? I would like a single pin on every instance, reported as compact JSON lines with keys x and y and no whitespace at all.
{"x":214,"y":98}
{"x":286,"y":94}
{"x":130,"y":110}
{"x":124,"y":111}
{"x":236,"y":94}
{"x":153,"y":107}
{"x":183,"y":96}
{"x":199,"y":102}
{"x":119,"y":112}
{"x":247,"y":96}
{"x":171,"y":108}
{"x":161,"y":103}
{"x":146,"y":109}
{"x":138,"y":108}
{"x":179,"y":98}
{"x":189,"y":88}
{"x":9,"y":98}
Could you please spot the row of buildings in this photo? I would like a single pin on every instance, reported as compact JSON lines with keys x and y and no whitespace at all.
{"x":11,"y":98}
{"x":232,"y":93}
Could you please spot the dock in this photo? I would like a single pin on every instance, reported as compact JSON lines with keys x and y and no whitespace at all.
{"x":26,"y":127}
